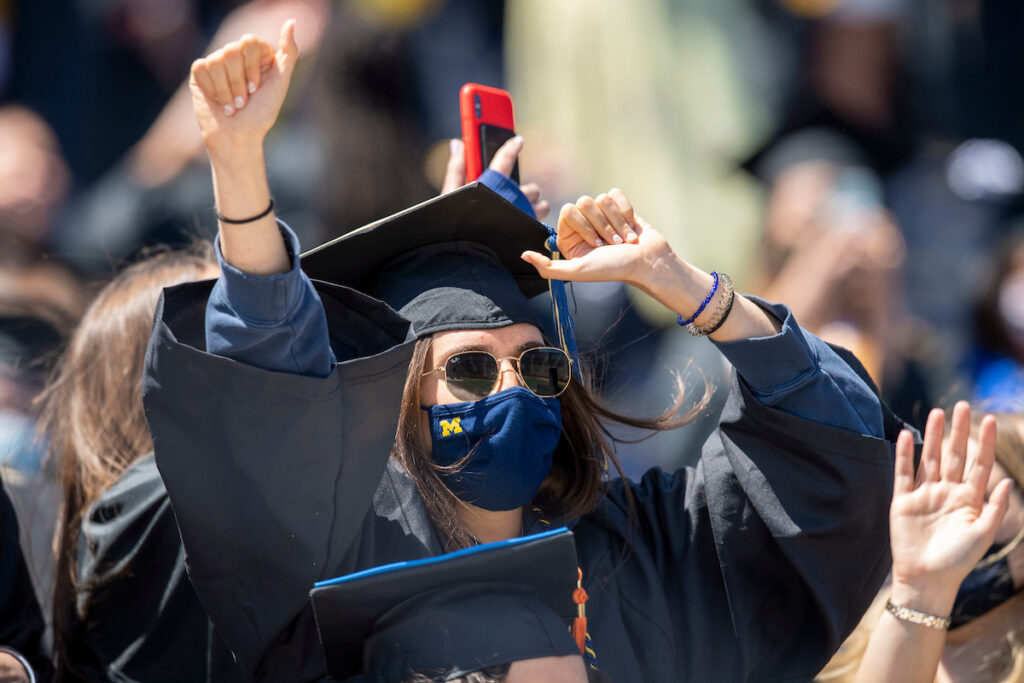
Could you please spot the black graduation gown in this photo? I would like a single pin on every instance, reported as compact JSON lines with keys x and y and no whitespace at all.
{"x":753,"y":566}
{"x":21,"y":621}
{"x":137,"y":617}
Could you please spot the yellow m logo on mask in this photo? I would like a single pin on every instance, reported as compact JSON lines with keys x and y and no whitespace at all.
{"x":452,"y":426}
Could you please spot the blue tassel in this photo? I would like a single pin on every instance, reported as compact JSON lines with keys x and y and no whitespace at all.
{"x":560,"y":310}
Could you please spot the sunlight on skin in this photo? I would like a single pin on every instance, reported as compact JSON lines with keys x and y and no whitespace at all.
{"x":568,"y":669}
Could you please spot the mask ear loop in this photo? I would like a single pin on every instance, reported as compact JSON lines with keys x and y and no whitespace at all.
{"x":560,"y":310}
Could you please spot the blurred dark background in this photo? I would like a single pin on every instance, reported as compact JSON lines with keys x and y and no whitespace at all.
{"x":857,"y":159}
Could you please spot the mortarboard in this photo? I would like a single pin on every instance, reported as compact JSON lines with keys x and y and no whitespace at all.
{"x":452,"y":614}
{"x":450,"y":263}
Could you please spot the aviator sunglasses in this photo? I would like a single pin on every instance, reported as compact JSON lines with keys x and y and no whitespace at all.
{"x":472,"y":375}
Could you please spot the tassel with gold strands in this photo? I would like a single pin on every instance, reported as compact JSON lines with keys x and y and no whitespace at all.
{"x":579,"y":624}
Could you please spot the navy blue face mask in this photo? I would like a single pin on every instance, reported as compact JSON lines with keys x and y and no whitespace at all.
{"x":504,"y":443}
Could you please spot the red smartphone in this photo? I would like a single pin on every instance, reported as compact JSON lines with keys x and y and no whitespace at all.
{"x":487,"y":122}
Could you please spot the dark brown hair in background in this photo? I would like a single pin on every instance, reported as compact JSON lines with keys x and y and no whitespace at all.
{"x":92,"y":412}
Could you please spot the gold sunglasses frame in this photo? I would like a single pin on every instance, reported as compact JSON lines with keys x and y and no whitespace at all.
{"x":515,"y":366}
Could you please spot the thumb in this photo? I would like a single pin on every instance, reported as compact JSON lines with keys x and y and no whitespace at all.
{"x":287,"y":48}
{"x":504,"y":160}
{"x":455,"y":174}
{"x":549,"y":269}
{"x":995,"y":508}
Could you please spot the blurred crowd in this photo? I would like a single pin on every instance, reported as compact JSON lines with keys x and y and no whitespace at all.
{"x":859,"y":160}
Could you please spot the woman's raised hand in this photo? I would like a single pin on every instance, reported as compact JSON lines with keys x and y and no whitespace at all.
{"x":942,"y":524}
{"x":503,"y":162}
{"x":602,"y":239}
{"x":237,"y":91}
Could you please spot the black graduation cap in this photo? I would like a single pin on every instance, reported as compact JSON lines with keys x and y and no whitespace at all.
{"x":450,"y":263}
{"x":452,"y":614}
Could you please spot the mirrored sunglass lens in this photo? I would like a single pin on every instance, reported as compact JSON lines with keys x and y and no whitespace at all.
{"x":471,"y":375}
{"x":545,"y":371}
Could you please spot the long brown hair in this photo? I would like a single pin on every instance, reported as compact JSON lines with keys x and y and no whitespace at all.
{"x":92,"y":414}
{"x":579,"y":464}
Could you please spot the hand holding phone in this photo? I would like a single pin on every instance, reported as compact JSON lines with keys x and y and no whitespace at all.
{"x":487,"y":122}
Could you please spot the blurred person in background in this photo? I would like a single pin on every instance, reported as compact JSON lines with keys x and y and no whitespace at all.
{"x":376,"y":98}
{"x":124,"y":608}
{"x":157,"y":191}
{"x":928,"y":98}
{"x":998,"y":360}
{"x":78,"y":63}
{"x":385,"y":96}
{"x":40,"y":302}
{"x":831,"y":248}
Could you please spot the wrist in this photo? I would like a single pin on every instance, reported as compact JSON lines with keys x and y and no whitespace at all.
{"x":929,"y":596}
{"x":673,"y":282}
{"x":235,"y":155}
{"x":14,"y":666}
{"x":241,"y":189}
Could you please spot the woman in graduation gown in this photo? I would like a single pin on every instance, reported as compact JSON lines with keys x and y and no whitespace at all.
{"x":274,"y":403}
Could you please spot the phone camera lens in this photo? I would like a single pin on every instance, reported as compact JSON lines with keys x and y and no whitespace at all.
{"x":476,"y":105}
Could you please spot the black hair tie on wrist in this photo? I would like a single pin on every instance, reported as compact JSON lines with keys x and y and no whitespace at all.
{"x":232,"y":221}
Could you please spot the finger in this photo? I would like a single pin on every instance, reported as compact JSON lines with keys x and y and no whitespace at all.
{"x":995,"y":508}
{"x":981,"y":468}
{"x":931,"y":452}
{"x":505,"y":158}
{"x":903,"y":478}
{"x":955,"y":455}
{"x":541,"y":209}
{"x":598,"y":221}
{"x":572,"y":220}
{"x":201,"y":77}
{"x":234,"y":65}
{"x":287,"y":48}
{"x":219,"y":76}
{"x":531,"y":191}
{"x":626,"y":209}
{"x":548,"y":269}
{"x":253,"y":51}
{"x":286,"y":40}
{"x":641,"y":224}
{"x":610,"y":208}
{"x":455,"y":173}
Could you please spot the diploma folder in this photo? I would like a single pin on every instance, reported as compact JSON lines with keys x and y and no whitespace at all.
{"x":347,"y":607}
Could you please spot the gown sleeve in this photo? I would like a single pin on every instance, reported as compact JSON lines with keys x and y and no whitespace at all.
{"x":274,"y":322}
{"x":272,"y":475}
{"x":769,"y":551}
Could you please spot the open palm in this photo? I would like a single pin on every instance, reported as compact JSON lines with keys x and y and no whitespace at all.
{"x":942,"y":525}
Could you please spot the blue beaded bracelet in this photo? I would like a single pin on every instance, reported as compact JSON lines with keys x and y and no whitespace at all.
{"x":714,"y":288}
